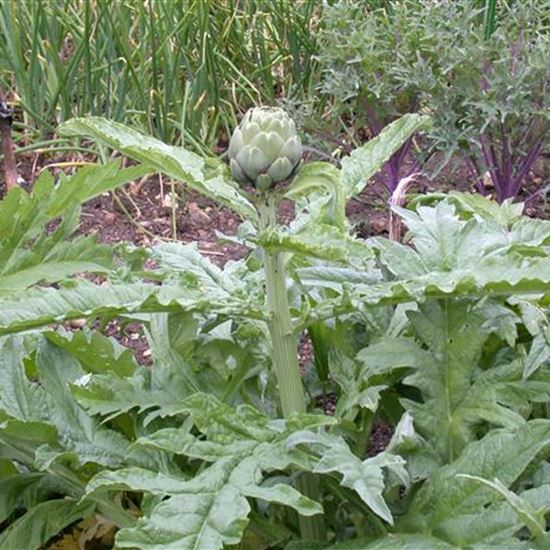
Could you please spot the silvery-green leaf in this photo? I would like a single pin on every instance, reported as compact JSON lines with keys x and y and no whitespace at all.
{"x":496,"y":524}
{"x":365,"y":477}
{"x":38,"y":525}
{"x":533,"y":519}
{"x":539,"y":353}
{"x":364,"y":162}
{"x":505,"y":453}
{"x":29,"y":253}
{"x":174,"y":161}
{"x":14,"y":489}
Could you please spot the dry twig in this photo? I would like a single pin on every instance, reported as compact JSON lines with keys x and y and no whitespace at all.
{"x":398,"y":199}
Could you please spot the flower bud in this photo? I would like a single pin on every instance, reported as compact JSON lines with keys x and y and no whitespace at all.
{"x":265,"y":148}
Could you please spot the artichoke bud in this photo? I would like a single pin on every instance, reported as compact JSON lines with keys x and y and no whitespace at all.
{"x":265,"y":148}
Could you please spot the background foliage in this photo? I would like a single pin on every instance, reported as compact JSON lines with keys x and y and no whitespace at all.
{"x":180,"y":70}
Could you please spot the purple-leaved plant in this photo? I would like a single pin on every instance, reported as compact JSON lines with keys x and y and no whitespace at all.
{"x":361,"y":48}
{"x":487,"y":91}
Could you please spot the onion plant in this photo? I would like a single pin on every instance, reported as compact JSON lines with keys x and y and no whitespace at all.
{"x":179,"y":70}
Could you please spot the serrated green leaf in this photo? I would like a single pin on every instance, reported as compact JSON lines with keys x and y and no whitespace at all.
{"x":313,"y":178}
{"x":36,"y":308}
{"x":172,"y":373}
{"x":539,"y":353}
{"x":469,"y":396}
{"x":41,"y":523}
{"x":240,"y":431}
{"x":401,"y":541}
{"x":449,"y":257}
{"x":454,"y":396}
{"x":319,"y":241}
{"x":221,"y":423}
{"x":112,"y":394}
{"x":502,"y":321}
{"x":7,"y":469}
{"x":12,"y":490}
{"x":31,"y":252}
{"x":80,"y":437}
{"x":137,"y":479}
{"x":494,"y":395}
{"x":95,"y":352}
{"x":355,"y":392}
{"x":174,"y":161}
{"x":223,"y":523}
{"x":286,"y":495}
{"x":422,"y":460}
{"x":494,"y":525}
{"x":401,"y":260}
{"x":533,"y":519}
{"x":47,"y":418}
{"x":470,"y":205}
{"x":242,"y":445}
{"x":504,"y":453}
{"x":364,"y":162}
{"x":181,"y":442}
{"x":503,"y":278}
{"x":27,"y":432}
{"x":318,"y":190}
{"x":444,"y":241}
{"x":452,"y":333}
{"x":209,"y":512}
{"x":306,"y":545}
{"x":390,"y":353}
{"x":184,"y":259}
{"x":365,"y":477}
{"x":90,"y":182}
{"x":532,"y":316}
{"x":20,"y":399}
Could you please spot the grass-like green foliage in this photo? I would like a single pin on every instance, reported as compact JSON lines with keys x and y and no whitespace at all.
{"x":447,"y":337}
{"x":178,"y":70}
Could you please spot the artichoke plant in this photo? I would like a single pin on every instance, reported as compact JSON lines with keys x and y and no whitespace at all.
{"x":265,"y":148}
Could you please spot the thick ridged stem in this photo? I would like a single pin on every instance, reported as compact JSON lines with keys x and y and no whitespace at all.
{"x":285,"y":358}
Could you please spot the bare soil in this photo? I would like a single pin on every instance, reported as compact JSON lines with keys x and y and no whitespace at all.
{"x":147,"y":212}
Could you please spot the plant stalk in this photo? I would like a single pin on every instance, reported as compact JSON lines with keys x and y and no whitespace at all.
{"x":283,"y":338}
{"x":6,"y":145}
{"x":285,"y":357}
